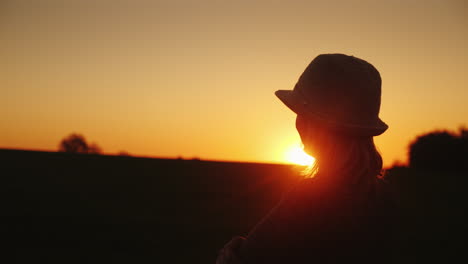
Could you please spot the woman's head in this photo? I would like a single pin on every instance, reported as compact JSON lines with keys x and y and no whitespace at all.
{"x":337,"y":100}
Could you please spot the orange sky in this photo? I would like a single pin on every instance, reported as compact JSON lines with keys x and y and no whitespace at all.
{"x":197,"y":78}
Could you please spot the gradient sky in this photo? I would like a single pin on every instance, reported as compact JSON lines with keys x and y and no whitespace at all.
{"x":197,"y":78}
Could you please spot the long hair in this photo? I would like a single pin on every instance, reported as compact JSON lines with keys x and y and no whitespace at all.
{"x":355,"y":159}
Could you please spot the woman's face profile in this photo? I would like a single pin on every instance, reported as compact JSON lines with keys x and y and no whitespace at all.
{"x":305,"y":131}
{"x":300,"y":126}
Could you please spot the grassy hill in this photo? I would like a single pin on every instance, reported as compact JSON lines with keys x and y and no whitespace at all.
{"x":70,"y":208}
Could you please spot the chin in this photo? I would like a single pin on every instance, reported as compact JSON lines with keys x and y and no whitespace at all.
{"x":309,"y":152}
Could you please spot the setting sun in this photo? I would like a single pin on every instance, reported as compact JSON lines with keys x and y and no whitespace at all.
{"x":297,"y":155}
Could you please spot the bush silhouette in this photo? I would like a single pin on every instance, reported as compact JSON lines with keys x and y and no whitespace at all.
{"x":94,"y":148}
{"x":440,"y":150}
{"x":76,"y":143}
{"x":124,"y":153}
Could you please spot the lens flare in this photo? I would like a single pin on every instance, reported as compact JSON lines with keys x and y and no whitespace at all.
{"x":296,"y":155}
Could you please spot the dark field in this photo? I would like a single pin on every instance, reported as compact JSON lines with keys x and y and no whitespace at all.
{"x":68,"y":208}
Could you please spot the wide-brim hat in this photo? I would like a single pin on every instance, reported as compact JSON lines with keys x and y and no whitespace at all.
{"x":340,"y":92}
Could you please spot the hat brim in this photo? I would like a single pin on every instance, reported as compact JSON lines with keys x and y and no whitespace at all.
{"x":299,"y":106}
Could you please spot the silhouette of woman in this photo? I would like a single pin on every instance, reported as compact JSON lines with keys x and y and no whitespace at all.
{"x":342,"y":212}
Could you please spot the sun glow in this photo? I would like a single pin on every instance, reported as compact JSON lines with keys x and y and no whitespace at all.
{"x":297,"y":155}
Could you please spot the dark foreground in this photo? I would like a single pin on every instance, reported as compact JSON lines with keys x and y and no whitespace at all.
{"x":65,"y":208}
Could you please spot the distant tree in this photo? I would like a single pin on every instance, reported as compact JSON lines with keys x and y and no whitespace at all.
{"x":76,"y":143}
{"x":440,"y":150}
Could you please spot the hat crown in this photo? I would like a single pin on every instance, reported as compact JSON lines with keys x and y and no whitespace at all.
{"x":341,"y":88}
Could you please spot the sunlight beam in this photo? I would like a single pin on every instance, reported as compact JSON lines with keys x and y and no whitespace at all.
{"x":296,"y":154}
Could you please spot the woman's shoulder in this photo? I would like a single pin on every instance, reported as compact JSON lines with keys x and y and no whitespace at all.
{"x":318,"y":188}
{"x":312,"y":197}
{"x":328,"y":197}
